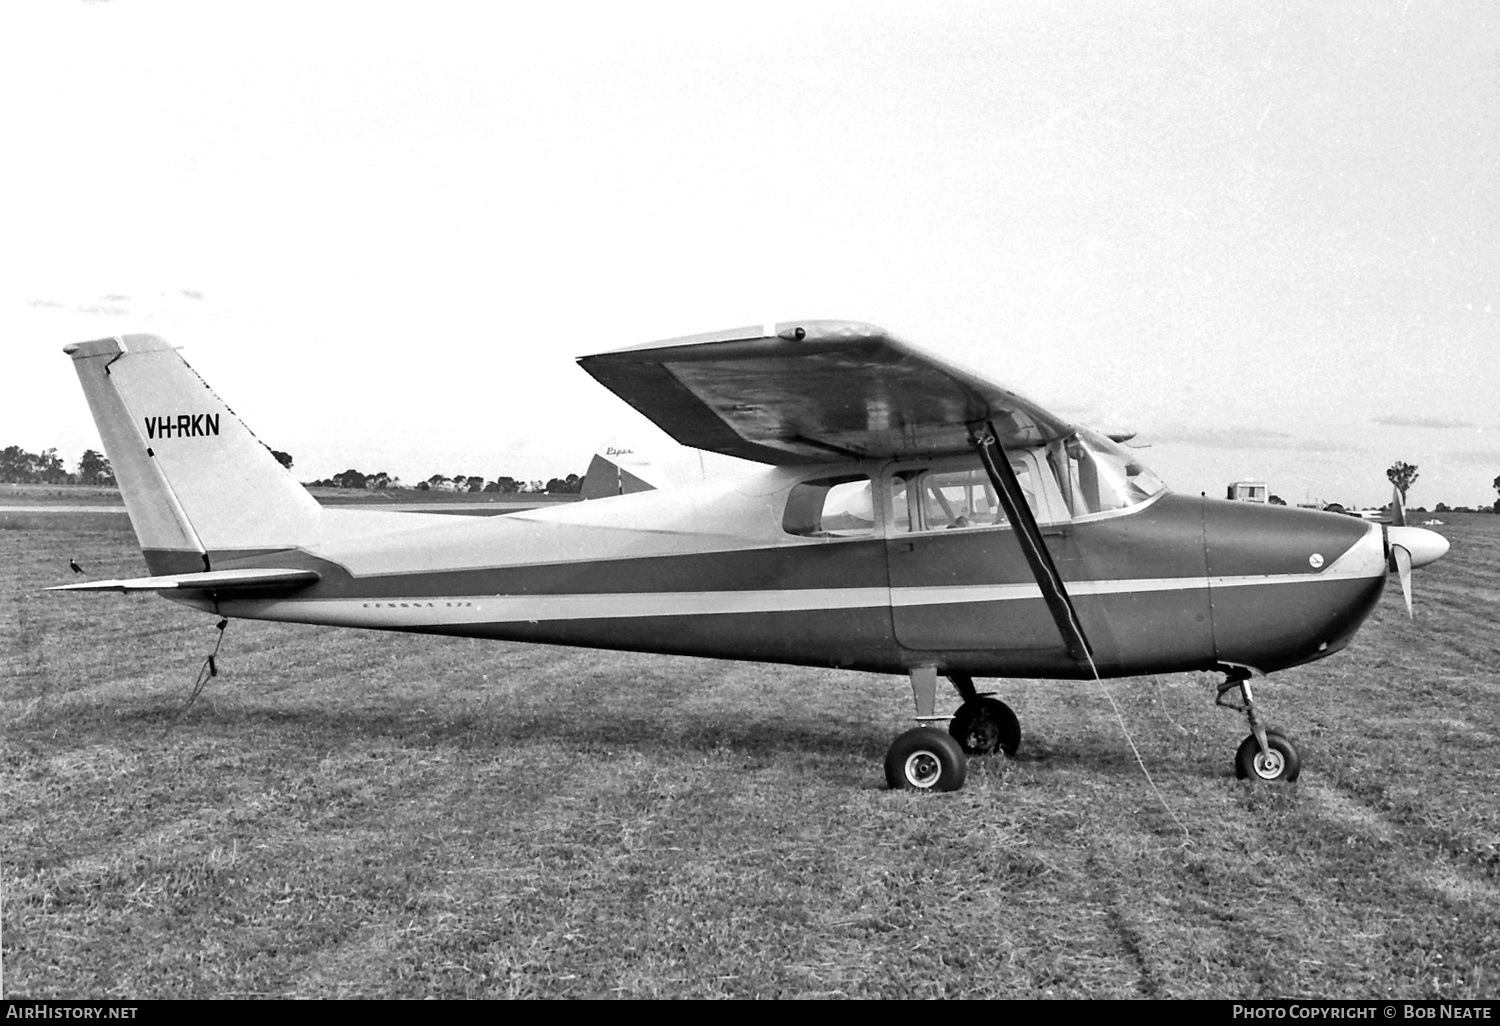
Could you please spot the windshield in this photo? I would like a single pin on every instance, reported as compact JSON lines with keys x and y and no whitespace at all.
{"x":1096,"y":475}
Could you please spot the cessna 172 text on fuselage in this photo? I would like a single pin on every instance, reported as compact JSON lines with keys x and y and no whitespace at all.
{"x":915,"y":519}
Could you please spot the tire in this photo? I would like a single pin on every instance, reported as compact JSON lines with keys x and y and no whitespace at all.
{"x":1282,"y":767}
{"x":986,"y":725}
{"x":924,"y":759}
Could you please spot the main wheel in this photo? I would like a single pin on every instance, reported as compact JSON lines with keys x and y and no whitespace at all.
{"x":1281,"y":763}
{"x":985,"y":725}
{"x":924,"y":759}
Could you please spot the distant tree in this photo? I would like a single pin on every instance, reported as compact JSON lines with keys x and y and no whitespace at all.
{"x":1442,"y":507}
{"x":379,"y":481}
{"x":1276,"y":500}
{"x":1403,"y":476}
{"x":50,"y":467}
{"x":474,"y":484}
{"x":423,"y":486}
{"x":569,"y":485}
{"x":94,"y":468}
{"x":17,"y":466}
{"x":284,"y":458}
{"x":536,"y":487}
{"x":350,"y":478}
{"x":437,"y":481}
{"x":504,"y":485}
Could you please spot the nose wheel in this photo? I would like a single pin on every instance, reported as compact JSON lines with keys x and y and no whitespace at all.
{"x":1279,"y":762}
{"x":1266,"y":754}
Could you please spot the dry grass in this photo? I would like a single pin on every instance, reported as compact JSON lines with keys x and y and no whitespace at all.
{"x":348,"y":813}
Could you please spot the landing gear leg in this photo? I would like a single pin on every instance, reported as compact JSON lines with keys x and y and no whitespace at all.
{"x":983,"y":724}
{"x":925,"y":758}
{"x":1265,"y":754}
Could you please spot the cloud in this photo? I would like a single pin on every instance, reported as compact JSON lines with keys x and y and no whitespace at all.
{"x":191,"y":293}
{"x":107,"y":305}
{"x":1476,"y":457}
{"x":1249,"y":438}
{"x":1421,"y":422}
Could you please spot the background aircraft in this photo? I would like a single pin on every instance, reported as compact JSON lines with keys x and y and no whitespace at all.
{"x":621,"y":468}
{"x":914,"y":519}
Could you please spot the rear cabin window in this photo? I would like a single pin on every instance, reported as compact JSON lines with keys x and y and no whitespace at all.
{"x":831,"y":507}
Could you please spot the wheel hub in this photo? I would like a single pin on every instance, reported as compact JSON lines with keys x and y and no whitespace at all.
{"x":923,"y":769}
{"x":1269,"y":764}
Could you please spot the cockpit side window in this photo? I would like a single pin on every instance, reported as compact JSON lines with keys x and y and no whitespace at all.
{"x":940,"y":499}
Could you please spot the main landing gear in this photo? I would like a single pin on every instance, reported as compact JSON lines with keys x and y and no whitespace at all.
{"x":926,"y":759}
{"x":1265,"y":754}
{"x":983,"y":724}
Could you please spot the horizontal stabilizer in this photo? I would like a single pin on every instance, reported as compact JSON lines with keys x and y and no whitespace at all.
{"x":211,"y":580}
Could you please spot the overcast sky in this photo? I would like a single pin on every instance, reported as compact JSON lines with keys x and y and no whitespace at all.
{"x":1264,"y":235}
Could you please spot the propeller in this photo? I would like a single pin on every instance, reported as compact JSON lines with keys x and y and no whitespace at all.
{"x":1401,"y":563}
{"x":1410,"y":547}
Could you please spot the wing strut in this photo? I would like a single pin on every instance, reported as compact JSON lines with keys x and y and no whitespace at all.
{"x":1008,"y":490}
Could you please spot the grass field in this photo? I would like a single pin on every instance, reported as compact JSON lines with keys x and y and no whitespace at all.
{"x":357,"y":814}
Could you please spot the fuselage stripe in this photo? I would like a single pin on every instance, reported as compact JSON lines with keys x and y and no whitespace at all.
{"x":533,"y":608}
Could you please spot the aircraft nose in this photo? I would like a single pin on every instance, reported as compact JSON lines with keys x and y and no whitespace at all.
{"x":1425,"y":546}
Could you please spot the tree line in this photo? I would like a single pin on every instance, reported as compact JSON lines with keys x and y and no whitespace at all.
{"x":17,"y":466}
{"x":381,"y":481}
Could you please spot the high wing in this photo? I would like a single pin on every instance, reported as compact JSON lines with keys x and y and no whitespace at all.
{"x":815,"y":391}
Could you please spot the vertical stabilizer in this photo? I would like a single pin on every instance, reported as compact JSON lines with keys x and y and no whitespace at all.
{"x":198,"y":485}
{"x":619,"y":469}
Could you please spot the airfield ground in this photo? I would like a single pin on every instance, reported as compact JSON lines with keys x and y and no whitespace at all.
{"x":358,"y":814}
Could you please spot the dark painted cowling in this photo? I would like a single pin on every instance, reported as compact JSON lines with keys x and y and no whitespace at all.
{"x":1304,"y":612}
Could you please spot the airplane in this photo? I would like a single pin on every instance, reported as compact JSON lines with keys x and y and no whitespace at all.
{"x":620,"y":468}
{"x":910,"y":517}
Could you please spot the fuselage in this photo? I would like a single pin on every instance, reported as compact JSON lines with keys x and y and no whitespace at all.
{"x":798,"y":565}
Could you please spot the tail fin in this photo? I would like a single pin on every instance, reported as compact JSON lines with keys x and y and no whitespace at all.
{"x":618,"y":469}
{"x":198,"y":485}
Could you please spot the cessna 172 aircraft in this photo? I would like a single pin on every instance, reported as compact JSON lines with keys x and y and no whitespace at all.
{"x":914,"y":519}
